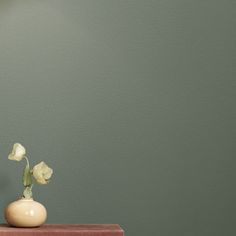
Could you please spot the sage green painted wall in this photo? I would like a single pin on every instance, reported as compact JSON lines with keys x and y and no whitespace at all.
{"x":132,"y":103}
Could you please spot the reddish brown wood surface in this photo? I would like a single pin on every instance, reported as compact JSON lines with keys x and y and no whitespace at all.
{"x":64,"y":230}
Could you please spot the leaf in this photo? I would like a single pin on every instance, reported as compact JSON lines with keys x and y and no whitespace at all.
{"x":27,"y":180}
{"x":28,"y":193}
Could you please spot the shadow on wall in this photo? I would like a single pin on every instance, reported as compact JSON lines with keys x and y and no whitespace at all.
{"x":4,"y":181}
{"x":5,"y":187}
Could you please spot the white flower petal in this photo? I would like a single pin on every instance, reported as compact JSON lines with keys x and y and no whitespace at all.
{"x":42,"y":173}
{"x":18,"y":152}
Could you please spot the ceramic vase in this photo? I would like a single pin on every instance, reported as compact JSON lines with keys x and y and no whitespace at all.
{"x":25,"y":213}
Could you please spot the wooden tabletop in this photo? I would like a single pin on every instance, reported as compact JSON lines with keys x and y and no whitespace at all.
{"x":64,"y":229}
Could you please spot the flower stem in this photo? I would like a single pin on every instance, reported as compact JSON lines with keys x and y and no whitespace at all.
{"x":27,"y":180}
{"x":27,"y":160}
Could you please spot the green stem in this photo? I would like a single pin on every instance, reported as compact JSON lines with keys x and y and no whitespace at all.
{"x":27,"y":180}
{"x":27,"y":160}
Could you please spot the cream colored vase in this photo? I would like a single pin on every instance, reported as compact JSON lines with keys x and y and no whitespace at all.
{"x":25,"y":213}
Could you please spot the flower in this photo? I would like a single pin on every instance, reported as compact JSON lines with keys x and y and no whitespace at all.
{"x":42,"y":173}
{"x":18,"y":152}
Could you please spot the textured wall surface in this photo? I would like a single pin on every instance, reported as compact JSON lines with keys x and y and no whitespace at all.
{"x":132,"y":103}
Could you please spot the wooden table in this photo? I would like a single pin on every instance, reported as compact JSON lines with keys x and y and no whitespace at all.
{"x":64,"y":230}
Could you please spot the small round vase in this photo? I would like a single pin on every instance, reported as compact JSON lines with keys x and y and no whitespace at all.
{"x":25,"y":213}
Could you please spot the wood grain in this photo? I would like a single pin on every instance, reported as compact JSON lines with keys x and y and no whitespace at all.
{"x":64,"y":229}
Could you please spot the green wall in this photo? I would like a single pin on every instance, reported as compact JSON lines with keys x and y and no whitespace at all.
{"x":132,"y":103}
